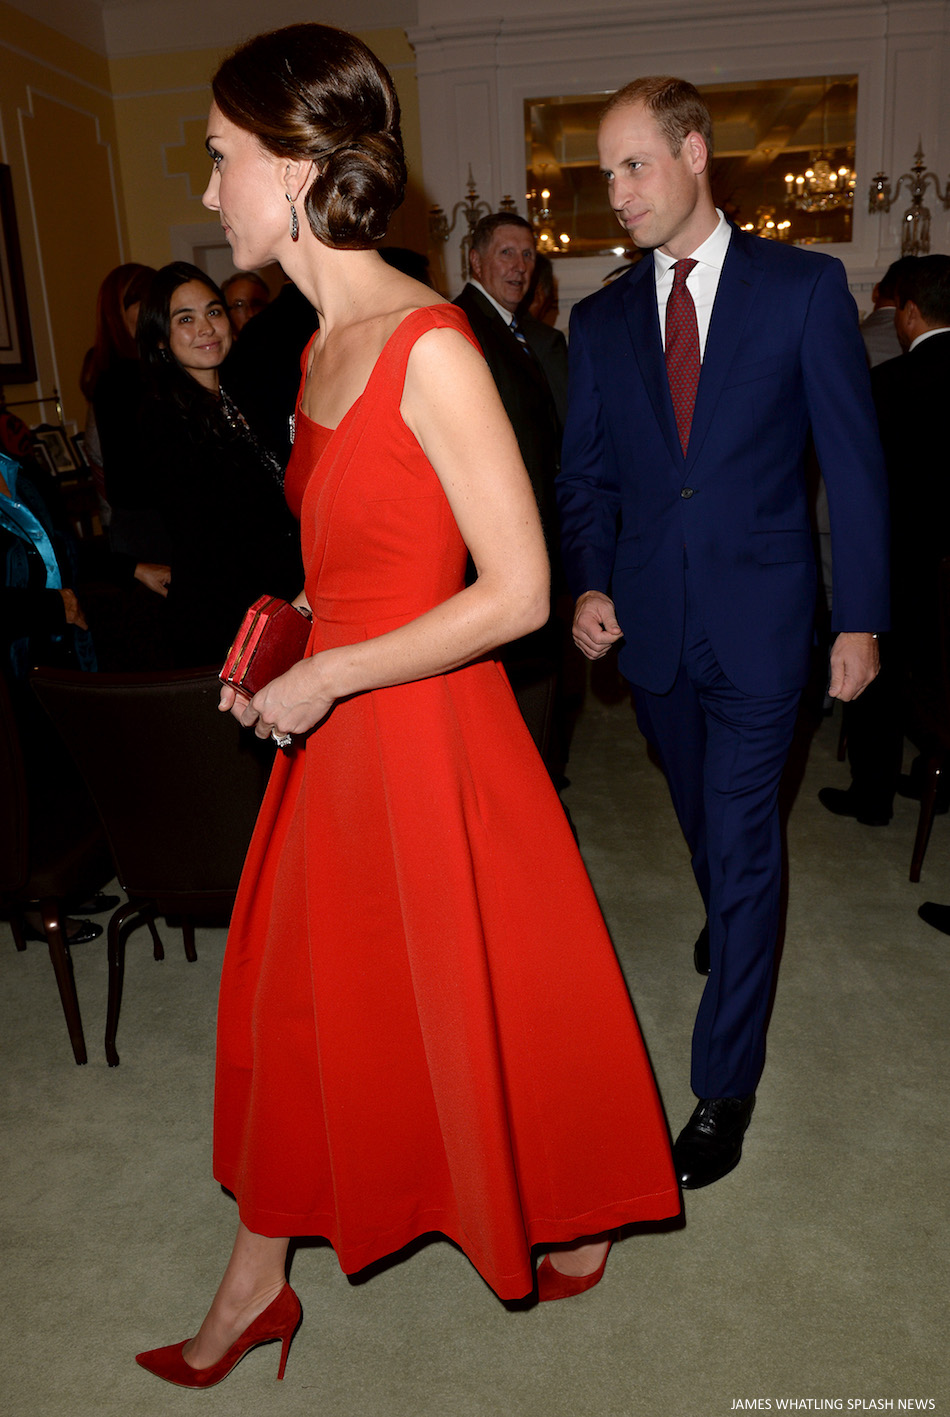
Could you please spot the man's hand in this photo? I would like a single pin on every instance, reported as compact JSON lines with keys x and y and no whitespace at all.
{"x":855,"y":662}
{"x":157,"y":577}
{"x":73,"y":610}
{"x":595,"y":624}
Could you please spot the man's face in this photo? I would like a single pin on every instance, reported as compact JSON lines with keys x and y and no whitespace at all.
{"x":505,"y":268}
{"x":656,"y":196}
{"x":245,"y":300}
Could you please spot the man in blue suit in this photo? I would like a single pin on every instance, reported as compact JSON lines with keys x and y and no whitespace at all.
{"x":695,"y":381}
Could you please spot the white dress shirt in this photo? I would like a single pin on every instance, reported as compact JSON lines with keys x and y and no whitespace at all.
{"x":702,"y":281}
{"x":506,"y":315}
{"x":928,"y":334}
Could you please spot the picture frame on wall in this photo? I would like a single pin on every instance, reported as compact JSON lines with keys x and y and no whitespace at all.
{"x":41,"y":455}
{"x":61,"y":456}
{"x":17,"y":361}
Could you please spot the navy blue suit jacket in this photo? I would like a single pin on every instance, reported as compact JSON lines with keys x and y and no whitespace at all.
{"x":783,"y":357}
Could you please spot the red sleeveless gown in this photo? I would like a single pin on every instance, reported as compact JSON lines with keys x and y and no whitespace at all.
{"x":422,"y":1023}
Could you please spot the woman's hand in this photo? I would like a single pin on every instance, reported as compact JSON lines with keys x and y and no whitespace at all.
{"x":292,"y":703}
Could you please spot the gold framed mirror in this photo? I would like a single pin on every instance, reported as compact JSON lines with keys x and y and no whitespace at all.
{"x":783,"y":163}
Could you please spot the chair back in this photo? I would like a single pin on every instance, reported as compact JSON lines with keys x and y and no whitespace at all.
{"x":177,"y":783}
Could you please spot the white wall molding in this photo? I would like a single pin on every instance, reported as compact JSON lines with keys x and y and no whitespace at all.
{"x":475,"y":75}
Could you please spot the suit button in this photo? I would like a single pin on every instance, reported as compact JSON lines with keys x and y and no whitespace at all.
{"x":687,"y":491}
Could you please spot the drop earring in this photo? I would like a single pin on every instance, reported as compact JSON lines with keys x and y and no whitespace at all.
{"x":294,"y":224}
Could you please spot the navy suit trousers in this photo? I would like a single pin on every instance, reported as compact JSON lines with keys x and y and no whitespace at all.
{"x":723,"y":753}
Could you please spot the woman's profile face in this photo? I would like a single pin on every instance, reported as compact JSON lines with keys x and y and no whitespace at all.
{"x":130,"y":317}
{"x":248,"y":190}
{"x":199,"y":332}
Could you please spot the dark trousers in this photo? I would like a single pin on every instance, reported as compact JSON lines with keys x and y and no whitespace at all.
{"x":723,"y":753}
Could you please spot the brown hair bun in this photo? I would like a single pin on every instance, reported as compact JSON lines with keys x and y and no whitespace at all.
{"x":315,"y":93}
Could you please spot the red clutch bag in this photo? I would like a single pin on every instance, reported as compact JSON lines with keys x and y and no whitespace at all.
{"x":272,"y":637}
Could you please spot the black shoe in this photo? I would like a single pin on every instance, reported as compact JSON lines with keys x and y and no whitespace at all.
{"x":710,"y":1144}
{"x":845,"y":803}
{"x":701,"y":951}
{"x":936,"y":915}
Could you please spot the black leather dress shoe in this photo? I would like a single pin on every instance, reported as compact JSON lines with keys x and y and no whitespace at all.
{"x":844,"y":802}
{"x":701,"y":951}
{"x":710,"y":1144}
{"x":936,"y":915}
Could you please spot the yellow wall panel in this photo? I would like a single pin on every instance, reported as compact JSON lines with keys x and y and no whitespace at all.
{"x":57,"y":133}
{"x":75,"y":226}
{"x":107,"y":159}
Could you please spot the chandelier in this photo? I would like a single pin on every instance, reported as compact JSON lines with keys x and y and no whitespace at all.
{"x":822,"y":187}
{"x":767,"y":225}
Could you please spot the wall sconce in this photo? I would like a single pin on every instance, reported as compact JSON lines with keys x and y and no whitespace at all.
{"x":915,"y":224}
{"x":473,"y":209}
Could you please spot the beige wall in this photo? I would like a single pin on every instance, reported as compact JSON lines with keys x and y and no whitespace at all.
{"x":57,"y":133}
{"x":108,"y":160}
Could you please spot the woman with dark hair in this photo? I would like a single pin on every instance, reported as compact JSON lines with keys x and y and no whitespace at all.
{"x":110,"y":379}
{"x":422,"y":1025}
{"x":229,"y":537}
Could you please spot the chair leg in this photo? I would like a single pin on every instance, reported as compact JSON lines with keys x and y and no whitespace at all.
{"x":53,"y":923}
{"x":188,"y":934}
{"x":120,"y":922}
{"x":928,"y":802}
{"x":158,"y":949}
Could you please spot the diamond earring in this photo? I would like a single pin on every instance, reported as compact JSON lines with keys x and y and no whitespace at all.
{"x":294,"y":224}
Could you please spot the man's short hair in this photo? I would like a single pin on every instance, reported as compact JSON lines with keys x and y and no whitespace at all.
{"x":486,"y":228}
{"x":677,"y":106}
{"x":887,"y":285}
{"x":252,"y":276}
{"x":926,"y":281}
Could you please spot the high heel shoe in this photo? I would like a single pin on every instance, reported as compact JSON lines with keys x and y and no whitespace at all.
{"x":278,"y":1320}
{"x":552,"y":1284}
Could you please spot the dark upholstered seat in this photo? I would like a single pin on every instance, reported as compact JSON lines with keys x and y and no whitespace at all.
{"x":177,"y":785}
{"x":52,"y":848}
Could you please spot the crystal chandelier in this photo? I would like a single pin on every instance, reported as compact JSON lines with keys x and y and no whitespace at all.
{"x":821,"y":187}
{"x":767,"y":225}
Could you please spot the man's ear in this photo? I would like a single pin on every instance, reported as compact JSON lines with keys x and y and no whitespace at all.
{"x":475,"y":263}
{"x":697,"y":153}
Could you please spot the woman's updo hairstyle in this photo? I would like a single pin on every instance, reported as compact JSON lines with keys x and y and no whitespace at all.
{"x":315,"y":93}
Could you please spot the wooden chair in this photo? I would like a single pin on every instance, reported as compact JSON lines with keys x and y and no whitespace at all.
{"x":52,"y":847}
{"x":177,"y":785}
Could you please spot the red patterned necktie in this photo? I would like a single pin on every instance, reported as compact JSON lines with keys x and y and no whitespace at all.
{"x":682,"y":350}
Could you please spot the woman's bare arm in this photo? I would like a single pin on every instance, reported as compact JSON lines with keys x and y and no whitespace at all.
{"x":451,"y":405}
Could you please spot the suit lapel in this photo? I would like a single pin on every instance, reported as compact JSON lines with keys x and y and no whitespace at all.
{"x":643,"y":325}
{"x":738,"y":284}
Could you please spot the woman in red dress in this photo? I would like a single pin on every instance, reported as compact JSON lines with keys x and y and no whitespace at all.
{"x":422,"y":1024}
